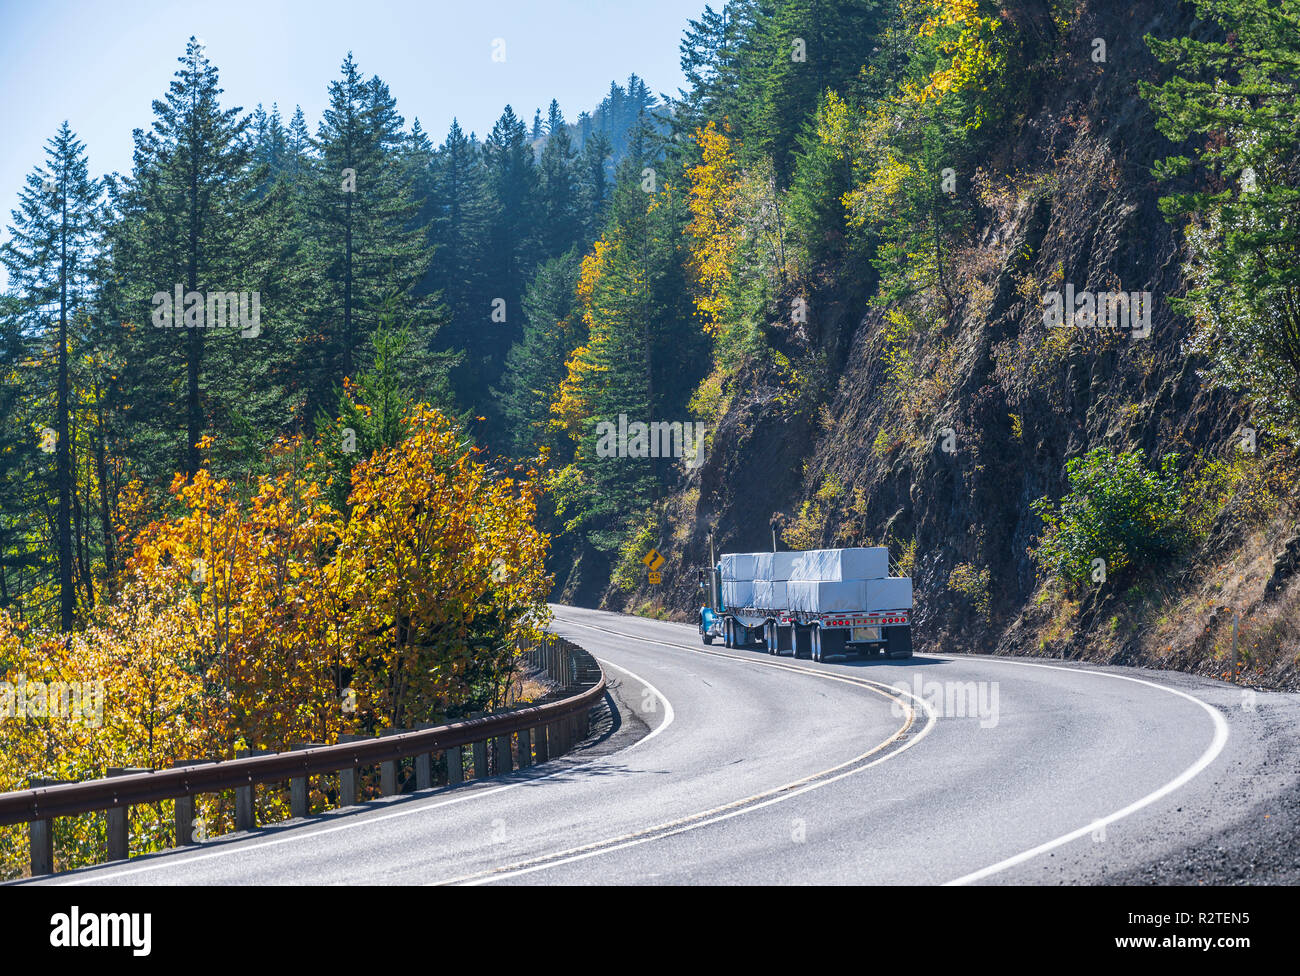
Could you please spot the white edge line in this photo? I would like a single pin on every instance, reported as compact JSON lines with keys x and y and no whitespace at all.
{"x":1211,"y":753}
{"x":669,"y":714}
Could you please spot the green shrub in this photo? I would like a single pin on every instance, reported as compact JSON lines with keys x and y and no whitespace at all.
{"x":1117,"y":511}
{"x":629,"y":572}
{"x":972,"y":583}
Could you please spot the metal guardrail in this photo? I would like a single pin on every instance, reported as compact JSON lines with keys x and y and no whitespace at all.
{"x":541,"y":732}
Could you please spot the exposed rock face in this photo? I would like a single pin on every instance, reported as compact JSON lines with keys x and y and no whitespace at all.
{"x":1284,"y":565}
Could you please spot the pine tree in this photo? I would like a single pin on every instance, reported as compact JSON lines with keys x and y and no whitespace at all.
{"x":594,"y":183}
{"x":1237,"y":103}
{"x":364,"y":242}
{"x":181,"y":219}
{"x":461,"y":211}
{"x":535,"y":364}
{"x":298,"y":150}
{"x":512,"y":235}
{"x":48,"y":258}
{"x":560,"y":220}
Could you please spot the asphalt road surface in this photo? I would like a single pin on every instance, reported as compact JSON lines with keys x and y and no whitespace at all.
{"x":715,"y":766}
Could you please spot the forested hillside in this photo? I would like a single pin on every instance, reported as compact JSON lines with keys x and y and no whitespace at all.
{"x":1011,"y":289}
{"x":302,"y":421}
{"x":883,"y":286}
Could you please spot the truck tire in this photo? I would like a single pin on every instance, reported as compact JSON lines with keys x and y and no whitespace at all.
{"x":815,"y":641}
{"x":769,"y":635}
{"x":704,"y":633}
{"x":898,"y":642}
{"x":833,"y":642}
{"x":799,"y":640}
{"x":728,"y":639}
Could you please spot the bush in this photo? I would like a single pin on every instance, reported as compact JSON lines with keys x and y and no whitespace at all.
{"x":972,"y":583}
{"x":1117,"y":511}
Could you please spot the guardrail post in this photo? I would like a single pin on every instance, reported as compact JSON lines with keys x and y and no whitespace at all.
{"x":118,"y":819}
{"x":525,"y":747}
{"x":424,"y":766}
{"x":388,"y":769}
{"x":502,"y":749}
{"x":455,"y":766}
{"x":245,"y":815}
{"x":480,"y":760}
{"x":299,"y":786}
{"x":183,"y":816}
{"x":539,"y":743}
{"x":40,"y":833}
{"x":348,"y":776}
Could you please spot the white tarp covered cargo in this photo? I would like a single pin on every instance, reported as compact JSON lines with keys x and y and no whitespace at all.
{"x":841,"y":564}
{"x":894,"y":593}
{"x":827,"y":596}
{"x":770,"y":594}
{"x":845,"y":596}
{"x":739,"y":565}
{"x":737,"y":593}
{"x":775,"y":566}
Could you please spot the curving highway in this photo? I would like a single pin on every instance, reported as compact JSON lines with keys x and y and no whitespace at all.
{"x":714,"y":766}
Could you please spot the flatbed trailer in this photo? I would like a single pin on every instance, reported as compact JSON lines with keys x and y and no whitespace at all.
{"x":803,"y":633}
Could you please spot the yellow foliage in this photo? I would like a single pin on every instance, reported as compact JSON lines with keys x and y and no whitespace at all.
{"x":263,"y":618}
{"x":714,"y":205}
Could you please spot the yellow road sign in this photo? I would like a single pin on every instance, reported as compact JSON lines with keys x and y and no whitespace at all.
{"x":656,"y":577}
{"x":653,"y":560}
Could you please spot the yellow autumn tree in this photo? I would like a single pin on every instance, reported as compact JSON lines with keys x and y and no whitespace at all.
{"x":258,"y":615}
{"x":441,"y":567}
{"x":714,"y":203}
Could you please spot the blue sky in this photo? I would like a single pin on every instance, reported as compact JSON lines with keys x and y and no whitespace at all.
{"x":100,"y":64}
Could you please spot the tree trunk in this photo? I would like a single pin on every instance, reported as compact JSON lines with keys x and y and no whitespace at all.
{"x":105,"y":510}
{"x":63,"y":461}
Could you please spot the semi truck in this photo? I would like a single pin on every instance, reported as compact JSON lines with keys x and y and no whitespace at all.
{"x":815,"y":603}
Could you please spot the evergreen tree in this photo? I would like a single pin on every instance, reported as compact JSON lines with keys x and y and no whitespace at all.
{"x":593,"y":183}
{"x":364,"y":242}
{"x":461,"y":214}
{"x":48,"y":258}
{"x":560,"y":219}
{"x":535,"y":364}
{"x":512,"y":235}
{"x":182,"y":218}
{"x":1237,"y":103}
{"x":643,"y":354}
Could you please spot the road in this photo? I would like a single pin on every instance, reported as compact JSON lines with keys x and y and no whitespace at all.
{"x":715,"y":766}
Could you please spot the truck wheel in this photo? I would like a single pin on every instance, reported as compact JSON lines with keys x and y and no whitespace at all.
{"x":898,"y":642}
{"x":727,"y":639}
{"x":832,"y":642}
{"x":799,"y":640}
{"x":815,"y":639}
